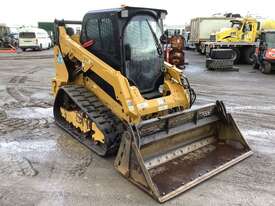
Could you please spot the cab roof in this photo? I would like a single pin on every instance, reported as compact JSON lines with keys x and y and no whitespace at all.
{"x":117,"y":10}
{"x":244,"y":19}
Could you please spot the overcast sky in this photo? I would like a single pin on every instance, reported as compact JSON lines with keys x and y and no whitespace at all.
{"x":29,"y":12}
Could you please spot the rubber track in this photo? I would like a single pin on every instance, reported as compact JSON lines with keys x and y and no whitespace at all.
{"x":98,"y":113}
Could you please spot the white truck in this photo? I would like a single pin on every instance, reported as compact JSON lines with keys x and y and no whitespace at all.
{"x":203,"y":27}
{"x":34,"y":38}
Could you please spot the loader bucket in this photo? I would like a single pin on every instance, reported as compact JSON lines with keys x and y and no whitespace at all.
{"x":168,"y":155}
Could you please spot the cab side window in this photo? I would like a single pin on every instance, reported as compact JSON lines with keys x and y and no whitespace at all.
{"x":106,"y":33}
{"x":92,"y":31}
{"x":101,"y":30}
{"x":247,"y":27}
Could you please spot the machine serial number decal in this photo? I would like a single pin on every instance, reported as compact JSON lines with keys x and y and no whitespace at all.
{"x":205,"y":113}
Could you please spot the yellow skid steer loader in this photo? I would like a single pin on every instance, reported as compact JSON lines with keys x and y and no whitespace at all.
{"x":115,"y":94}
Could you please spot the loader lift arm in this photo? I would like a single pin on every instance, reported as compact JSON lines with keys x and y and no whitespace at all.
{"x":128,"y":99}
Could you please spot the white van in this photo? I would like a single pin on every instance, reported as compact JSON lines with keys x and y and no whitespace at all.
{"x":34,"y":38}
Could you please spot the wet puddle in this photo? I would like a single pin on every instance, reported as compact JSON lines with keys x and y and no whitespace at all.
{"x":30,"y":113}
{"x":41,"y":95}
{"x":261,"y":140}
{"x":258,"y":108}
{"x":28,"y":146}
{"x":260,"y":132}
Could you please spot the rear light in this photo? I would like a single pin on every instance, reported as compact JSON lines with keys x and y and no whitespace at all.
{"x":272,"y":54}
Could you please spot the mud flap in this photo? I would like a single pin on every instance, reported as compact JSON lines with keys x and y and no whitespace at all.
{"x":168,"y":155}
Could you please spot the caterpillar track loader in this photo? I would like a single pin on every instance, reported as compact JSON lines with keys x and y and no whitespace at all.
{"x":115,"y":94}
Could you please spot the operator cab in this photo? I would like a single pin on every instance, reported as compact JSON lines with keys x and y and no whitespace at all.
{"x":127,"y":39}
{"x":268,"y":38}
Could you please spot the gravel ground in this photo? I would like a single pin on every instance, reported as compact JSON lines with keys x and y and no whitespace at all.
{"x":41,"y":165}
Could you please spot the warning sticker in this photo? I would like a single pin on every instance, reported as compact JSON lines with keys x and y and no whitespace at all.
{"x":161,"y":101}
{"x":59,"y":58}
{"x":130,"y":105}
{"x":142,"y":105}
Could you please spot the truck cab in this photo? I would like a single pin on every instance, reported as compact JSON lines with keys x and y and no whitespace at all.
{"x":241,"y":30}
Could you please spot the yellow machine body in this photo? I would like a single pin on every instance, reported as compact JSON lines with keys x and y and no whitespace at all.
{"x":165,"y":147}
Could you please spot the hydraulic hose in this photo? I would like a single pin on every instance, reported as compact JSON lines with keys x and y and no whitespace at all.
{"x":191,"y":91}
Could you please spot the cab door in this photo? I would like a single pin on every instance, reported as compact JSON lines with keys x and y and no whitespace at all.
{"x":249,"y":32}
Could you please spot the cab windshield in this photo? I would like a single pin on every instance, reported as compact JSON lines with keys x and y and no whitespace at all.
{"x":236,"y":24}
{"x":143,"y":62}
{"x":270,"y":40}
